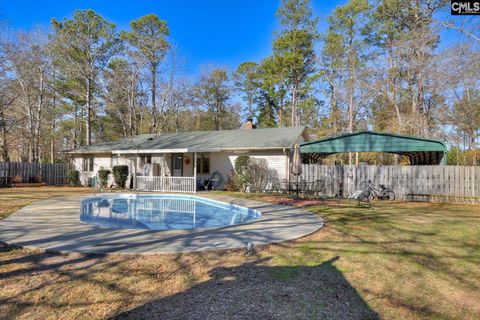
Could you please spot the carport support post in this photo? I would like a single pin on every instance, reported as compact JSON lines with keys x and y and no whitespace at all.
{"x":443,"y":162}
{"x":195,"y":172}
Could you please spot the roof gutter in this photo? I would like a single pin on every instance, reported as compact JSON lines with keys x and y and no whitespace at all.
{"x":178,"y":150}
{"x":257,"y":148}
{"x":87,"y":152}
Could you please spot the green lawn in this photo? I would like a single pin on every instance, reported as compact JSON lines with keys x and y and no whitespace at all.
{"x":396,"y":261}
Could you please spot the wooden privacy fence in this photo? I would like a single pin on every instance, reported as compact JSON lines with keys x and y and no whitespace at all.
{"x":431,"y":183}
{"x":51,"y":174}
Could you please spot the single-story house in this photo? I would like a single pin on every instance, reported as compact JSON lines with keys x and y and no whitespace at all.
{"x":190,"y":154}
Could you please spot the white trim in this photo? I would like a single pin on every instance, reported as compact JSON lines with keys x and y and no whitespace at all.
{"x":182,"y":150}
{"x":255,"y":148}
{"x":88,"y":152}
{"x":195,"y":168}
{"x":193,"y":150}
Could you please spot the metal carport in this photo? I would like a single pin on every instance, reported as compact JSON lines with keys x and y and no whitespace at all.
{"x":420,"y":151}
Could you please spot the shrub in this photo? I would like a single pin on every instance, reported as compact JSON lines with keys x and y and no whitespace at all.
{"x":241,"y":164}
{"x":73,"y":177}
{"x":260,"y":175}
{"x":103,"y":177}
{"x":120,"y":175}
{"x":241,"y":171}
{"x":232,"y":182}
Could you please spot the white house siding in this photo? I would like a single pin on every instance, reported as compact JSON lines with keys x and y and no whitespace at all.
{"x":224,"y":162}
{"x":77,"y":163}
{"x":100,"y":161}
{"x":276,"y":160}
{"x":188,"y":168}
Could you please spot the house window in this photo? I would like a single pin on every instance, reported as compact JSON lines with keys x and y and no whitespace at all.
{"x":203,"y":164}
{"x":145,"y":159}
{"x":88,"y":164}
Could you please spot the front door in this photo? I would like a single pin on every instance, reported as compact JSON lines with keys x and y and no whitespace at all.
{"x":177,"y":165}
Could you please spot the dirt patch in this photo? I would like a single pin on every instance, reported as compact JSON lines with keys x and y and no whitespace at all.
{"x":298,"y":202}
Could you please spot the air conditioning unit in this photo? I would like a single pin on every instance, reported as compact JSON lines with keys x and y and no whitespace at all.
{"x":151,"y":169}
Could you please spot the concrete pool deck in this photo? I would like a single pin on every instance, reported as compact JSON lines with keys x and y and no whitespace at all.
{"x":54,"y":225}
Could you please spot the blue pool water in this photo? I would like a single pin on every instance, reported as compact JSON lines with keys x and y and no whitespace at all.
{"x":162,"y":212}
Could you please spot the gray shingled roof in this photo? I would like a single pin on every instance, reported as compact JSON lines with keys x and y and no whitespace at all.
{"x":202,"y":140}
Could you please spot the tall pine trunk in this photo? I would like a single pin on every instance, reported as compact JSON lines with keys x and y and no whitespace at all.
{"x":350,"y":117}
{"x":52,"y":141}
{"x":334,"y":111}
{"x":153,"y":127}
{"x":38,"y":120}
{"x":88,"y":110}
{"x":54,"y":115}
{"x":294,"y":106}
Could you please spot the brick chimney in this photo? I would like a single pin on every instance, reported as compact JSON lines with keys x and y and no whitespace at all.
{"x":249,"y":124}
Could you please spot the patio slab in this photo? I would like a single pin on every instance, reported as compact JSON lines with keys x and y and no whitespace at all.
{"x":54,"y":225}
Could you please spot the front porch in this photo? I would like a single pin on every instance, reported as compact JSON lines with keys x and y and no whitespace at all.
{"x":181,"y":172}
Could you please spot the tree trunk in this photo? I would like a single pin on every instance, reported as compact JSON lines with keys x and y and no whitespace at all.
{"x":280,"y":112}
{"x":350,"y":120}
{"x":73,"y":143}
{"x":88,"y":110}
{"x":53,"y":124}
{"x":334,"y":107}
{"x":294,"y":106}
{"x":131,"y":120}
{"x":38,"y":120}
{"x":3,"y":139}
{"x":414,"y":109}
{"x":393,"y":90}
{"x":333,"y":101}
{"x":153,"y":127}
{"x":52,"y":141}
{"x":250,"y":106}
{"x":216,"y":117}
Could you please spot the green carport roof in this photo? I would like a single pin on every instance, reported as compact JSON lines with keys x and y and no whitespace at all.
{"x":418,"y":150}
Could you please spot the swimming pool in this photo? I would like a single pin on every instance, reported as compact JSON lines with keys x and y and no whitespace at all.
{"x":162,"y":212}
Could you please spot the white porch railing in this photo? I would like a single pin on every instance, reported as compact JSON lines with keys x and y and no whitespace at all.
{"x":166,"y":184}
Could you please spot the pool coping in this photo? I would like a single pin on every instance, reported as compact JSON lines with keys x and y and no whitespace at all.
{"x":53,"y":225}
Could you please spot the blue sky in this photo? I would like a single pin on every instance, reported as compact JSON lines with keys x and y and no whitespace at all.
{"x":206,"y":32}
{"x":224,"y":33}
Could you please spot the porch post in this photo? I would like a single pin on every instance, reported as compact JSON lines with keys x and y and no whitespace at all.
{"x":165,"y":167}
{"x":135,"y":172}
{"x":195,"y":172}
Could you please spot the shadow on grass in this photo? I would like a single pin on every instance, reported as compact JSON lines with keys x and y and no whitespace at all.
{"x":256,"y":291}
